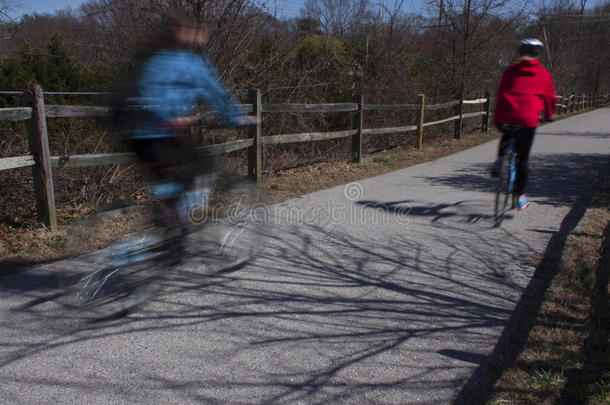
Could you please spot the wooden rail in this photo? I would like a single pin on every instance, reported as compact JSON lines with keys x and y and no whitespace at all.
{"x":309,"y":108}
{"x":15,"y":114}
{"x":306,"y":137}
{"x":36,"y":113}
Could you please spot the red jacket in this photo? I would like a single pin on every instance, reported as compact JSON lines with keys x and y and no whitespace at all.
{"x":525,"y":90}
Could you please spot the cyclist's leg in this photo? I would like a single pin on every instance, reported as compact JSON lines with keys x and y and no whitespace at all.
{"x":507,"y":135}
{"x":504,"y":141}
{"x":523,"y":144}
{"x":154,"y":154}
{"x":193,"y":162}
{"x":170,"y":161}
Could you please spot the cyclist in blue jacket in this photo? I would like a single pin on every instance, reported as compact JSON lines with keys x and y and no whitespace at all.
{"x":171,"y":80}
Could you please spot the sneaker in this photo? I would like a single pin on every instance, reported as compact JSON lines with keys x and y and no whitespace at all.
{"x":494,"y":170}
{"x":523,"y":202}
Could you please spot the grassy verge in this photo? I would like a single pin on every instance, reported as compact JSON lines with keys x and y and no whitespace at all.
{"x":566,"y":358}
{"x":24,"y":247}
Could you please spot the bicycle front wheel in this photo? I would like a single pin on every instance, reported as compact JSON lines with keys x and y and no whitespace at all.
{"x":230,"y":226}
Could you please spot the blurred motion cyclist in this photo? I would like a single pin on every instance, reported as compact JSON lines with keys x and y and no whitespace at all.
{"x":156,"y":107}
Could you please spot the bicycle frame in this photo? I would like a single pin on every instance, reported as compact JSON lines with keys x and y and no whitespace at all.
{"x":513,"y":168}
{"x":507,"y":177}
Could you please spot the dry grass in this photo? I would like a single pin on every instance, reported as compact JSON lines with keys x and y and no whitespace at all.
{"x":27,"y":246}
{"x":566,"y":359}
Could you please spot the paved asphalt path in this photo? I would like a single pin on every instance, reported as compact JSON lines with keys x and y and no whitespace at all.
{"x":392,"y":290}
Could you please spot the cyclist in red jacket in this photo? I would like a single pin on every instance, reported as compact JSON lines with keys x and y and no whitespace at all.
{"x":526,"y":89}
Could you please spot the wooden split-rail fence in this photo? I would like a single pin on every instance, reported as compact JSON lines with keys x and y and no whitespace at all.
{"x":36,"y":113}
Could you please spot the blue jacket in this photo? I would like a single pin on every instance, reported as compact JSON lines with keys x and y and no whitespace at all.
{"x":171,"y":83}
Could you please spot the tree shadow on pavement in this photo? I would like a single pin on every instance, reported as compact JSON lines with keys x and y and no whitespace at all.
{"x":553,"y":179}
{"x":556,"y":180}
{"x":581,"y":133}
{"x":320,"y":317}
{"x":460,"y":211}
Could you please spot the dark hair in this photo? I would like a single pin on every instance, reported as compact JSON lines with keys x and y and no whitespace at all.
{"x":530,"y":50}
{"x":178,"y":18}
{"x":164,"y":36}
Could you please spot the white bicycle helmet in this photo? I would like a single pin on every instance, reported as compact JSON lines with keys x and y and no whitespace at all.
{"x":530,"y":42}
{"x":530,"y":47}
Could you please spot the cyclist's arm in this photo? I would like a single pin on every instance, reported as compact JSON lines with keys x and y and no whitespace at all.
{"x":503,"y":88}
{"x":211,"y":91}
{"x":185,"y":122}
{"x":507,"y":80}
{"x":550,"y":99}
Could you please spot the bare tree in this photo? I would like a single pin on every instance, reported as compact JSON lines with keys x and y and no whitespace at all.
{"x":117,"y":25}
{"x":471,"y":26}
{"x":337,"y":17}
{"x":6,"y":6}
{"x":578,"y":44}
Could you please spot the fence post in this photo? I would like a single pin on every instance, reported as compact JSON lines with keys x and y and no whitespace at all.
{"x":575,"y":103}
{"x":255,"y":132}
{"x":420,"y":126}
{"x":42,"y":174}
{"x":460,"y":112}
{"x":574,"y":97}
{"x":357,"y":138}
{"x":487,"y":106}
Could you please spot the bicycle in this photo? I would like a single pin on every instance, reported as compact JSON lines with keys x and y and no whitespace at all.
{"x":505,"y":187}
{"x":221,"y":222}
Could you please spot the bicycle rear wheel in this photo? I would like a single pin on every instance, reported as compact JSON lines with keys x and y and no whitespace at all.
{"x":128,"y":279}
{"x":504,"y":188}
